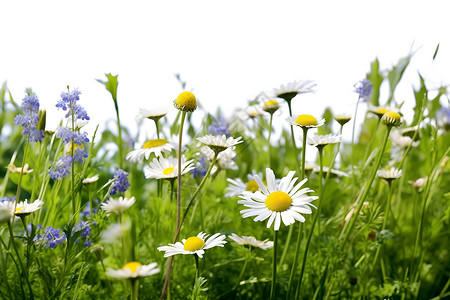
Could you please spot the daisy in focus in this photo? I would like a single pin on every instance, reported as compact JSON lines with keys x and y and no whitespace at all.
{"x":194,"y":245}
{"x":305,"y":121}
{"x":225,"y":159}
{"x":219,"y":143}
{"x":250,"y":241}
{"x":118,"y":206}
{"x":389,"y":174}
{"x":167,"y":168}
{"x":282,"y":202}
{"x":153,"y":114}
{"x":157,"y":146}
{"x":237,"y":186}
{"x":134,"y":270}
{"x":294,"y":88}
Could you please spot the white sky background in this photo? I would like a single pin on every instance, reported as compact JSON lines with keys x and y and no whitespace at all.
{"x":228,"y":51}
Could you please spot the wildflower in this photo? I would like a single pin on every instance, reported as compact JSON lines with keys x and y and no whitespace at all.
{"x":251,"y":112}
{"x":167,"y":168}
{"x":305,"y":121}
{"x":6,"y":210}
{"x":133,"y":270}
{"x":68,"y":103}
{"x":401,"y":138}
{"x":186,"y":102}
{"x":90,"y":180}
{"x":79,"y":155}
{"x":419,"y":183}
{"x":294,"y":88}
{"x":85,"y":229}
{"x":237,"y":186}
{"x":24,"y":208}
{"x":219,"y":143}
{"x":250,"y":241}
{"x":120,"y":183}
{"x":153,"y":114}
{"x":391,"y":118}
{"x":194,"y":245}
{"x":321,"y":141}
{"x":13,"y":169}
{"x":225,"y":158}
{"x":219,"y":128}
{"x":30,"y":119}
{"x":271,"y":106}
{"x":118,"y":206}
{"x":443,"y":117}
{"x":115,"y":232}
{"x":152,"y":146}
{"x":342,"y":118}
{"x":201,"y":168}
{"x":389,"y":174}
{"x":61,"y":168}
{"x":68,"y":135}
{"x":278,"y":202}
{"x":364,"y":89}
{"x":333,"y":172}
{"x":87,"y":210}
{"x":51,"y":237}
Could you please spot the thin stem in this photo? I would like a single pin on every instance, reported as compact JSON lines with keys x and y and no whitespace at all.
{"x":180,"y":135}
{"x":19,"y":184}
{"x":292,"y":135}
{"x":157,"y":128}
{"x":268,"y":140}
{"x":305,"y":133}
{"x":353,"y":141}
{"x":274,"y":265}
{"x":134,"y":288}
{"x":119,"y":129}
{"x":197,"y":268}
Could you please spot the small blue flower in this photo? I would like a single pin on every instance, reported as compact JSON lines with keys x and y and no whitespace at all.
{"x":52,"y":237}
{"x":61,"y":168}
{"x":219,"y":128}
{"x":30,"y":119}
{"x":200,"y":169}
{"x":79,"y":155}
{"x":8,"y":199}
{"x":87,"y":211}
{"x":364,"y":89}
{"x":120,"y":183}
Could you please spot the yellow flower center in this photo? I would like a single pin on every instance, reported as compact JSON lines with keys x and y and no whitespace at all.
{"x":381,"y":111}
{"x":252,"y":186}
{"x":154,"y":143}
{"x":271,"y":103}
{"x":391,"y":119}
{"x":75,"y":148}
{"x":193,"y":244}
{"x":132,"y":266}
{"x":306,"y":120}
{"x":18,"y":209}
{"x":186,"y":101}
{"x":278,"y":201}
{"x":168,"y":171}
{"x":393,"y":115}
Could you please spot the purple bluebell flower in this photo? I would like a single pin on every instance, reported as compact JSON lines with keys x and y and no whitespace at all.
{"x":200,"y":169}
{"x":219,"y":128}
{"x":8,"y":199}
{"x":52,"y":237}
{"x":87,"y":243}
{"x":364,"y":89}
{"x":61,"y":168}
{"x":30,"y":227}
{"x":30,"y":119}
{"x":85,"y":232}
{"x":87,"y":211}
{"x":79,"y":155}
{"x":120,"y":183}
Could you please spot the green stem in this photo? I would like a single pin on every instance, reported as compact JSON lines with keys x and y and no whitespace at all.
{"x":360,"y":200}
{"x":134,"y":288}
{"x":19,"y":184}
{"x":180,"y":135}
{"x":297,"y":248}
{"x":157,"y":128}
{"x":268,"y":141}
{"x":119,"y":129}
{"x":353,"y":143}
{"x":274,"y":265}
{"x":72,"y":185}
{"x":292,"y":136}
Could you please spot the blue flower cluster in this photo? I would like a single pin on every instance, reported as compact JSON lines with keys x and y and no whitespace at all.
{"x":219,"y":128}
{"x":8,"y":199}
{"x":68,"y":103}
{"x":30,"y":119}
{"x":364,"y":89}
{"x":200,"y":169}
{"x":87,"y":211}
{"x":51,"y":237}
{"x":86,"y":232}
{"x":120,"y":183}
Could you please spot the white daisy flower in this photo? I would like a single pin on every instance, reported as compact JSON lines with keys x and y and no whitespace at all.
{"x":13,"y":169}
{"x":278,"y":202}
{"x":133,"y":270}
{"x":219,"y":143}
{"x":225,"y":158}
{"x":322,"y":140}
{"x":250,"y":241}
{"x":194,"y":245}
{"x":237,"y":186}
{"x":115,"y":232}
{"x":167,"y":168}
{"x":389,"y":174}
{"x":90,"y":180}
{"x":294,"y":88}
{"x":305,"y":121}
{"x":24,"y":208}
{"x":6,"y":211}
{"x":379,"y":111}
{"x":401,"y":138}
{"x":153,"y":114}
{"x":332,"y":172}
{"x":342,"y":118}
{"x":118,"y":206}
{"x":156,"y":146}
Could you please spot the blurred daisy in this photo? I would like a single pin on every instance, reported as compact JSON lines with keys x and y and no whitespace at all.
{"x":389,"y":174}
{"x":153,"y":114}
{"x":133,"y":270}
{"x":391,"y":119}
{"x":156,"y":146}
{"x":278,"y":202}
{"x":323,"y":140}
{"x":219,"y":143}
{"x":333,"y":172}
{"x":118,"y":206}
{"x":115,"y":232}
{"x":13,"y":169}
{"x":225,"y":159}
{"x":379,"y":111}
{"x":194,"y":245}
{"x":249,"y":241}
{"x":90,"y":180}
{"x":6,"y":208}
{"x":24,"y":208}
{"x":342,"y":118}
{"x":294,"y":88}
{"x":167,"y":168}
{"x":403,"y":138}
{"x":305,"y":121}
{"x":271,"y":106}
{"x":237,"y":186}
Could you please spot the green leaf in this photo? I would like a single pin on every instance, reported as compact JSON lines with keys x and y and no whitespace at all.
{"x":111,"y":85}
{"x":436,"y":51}
{"x":376,"y":79}
{"x":395,"y":75}
{"x":419,"y":95}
